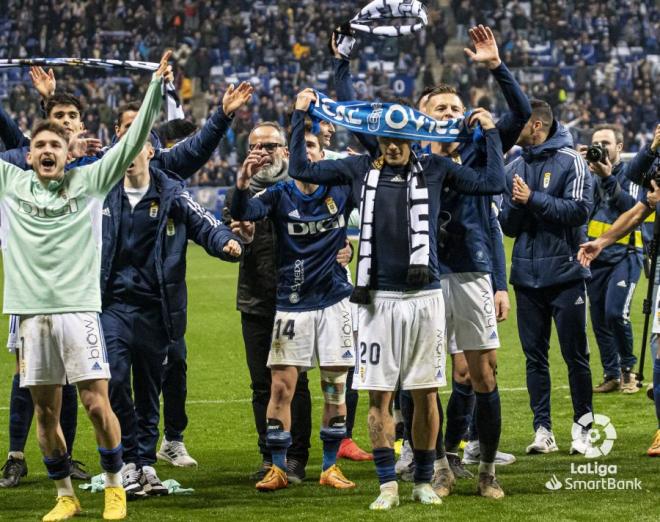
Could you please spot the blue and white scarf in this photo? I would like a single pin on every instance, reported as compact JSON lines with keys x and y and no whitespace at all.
{"x":391,"y":120}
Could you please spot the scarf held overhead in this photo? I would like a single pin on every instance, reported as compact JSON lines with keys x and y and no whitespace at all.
{"x":391,"y":120}
{"x":173,"y":104}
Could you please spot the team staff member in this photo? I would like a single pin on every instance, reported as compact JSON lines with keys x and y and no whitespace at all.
{"x":546,"y":210}
{"x":615,"y":273}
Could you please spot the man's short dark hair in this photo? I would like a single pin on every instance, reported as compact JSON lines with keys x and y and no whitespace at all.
{"x":441,"y":88}
{"x":309,"y":132}
{"x":133,"y":106}
{"x":541,"y":111}
{"x":614,"y":127}
{"x":63,"y":98}
{"x":47,"y":125}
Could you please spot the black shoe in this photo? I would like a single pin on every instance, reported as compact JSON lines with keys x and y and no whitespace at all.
{"x":295,"y":470}
{"x":398,"y":431}
{"x":457,"y":467}
{"x":261,"y":472}
{"x":13,"y":470}
{"x":78,"y":471}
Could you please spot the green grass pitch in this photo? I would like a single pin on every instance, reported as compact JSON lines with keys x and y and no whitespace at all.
{"x":221,"y":437}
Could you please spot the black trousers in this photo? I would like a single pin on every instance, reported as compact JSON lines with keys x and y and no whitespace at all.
{"x":257,"y":330}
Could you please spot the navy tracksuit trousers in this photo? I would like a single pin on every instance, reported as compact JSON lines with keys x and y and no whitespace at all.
{"x":175,"y":391}
{"x":611,"y":289}
{"x":536,"y":309}
{"x":136,"y":342}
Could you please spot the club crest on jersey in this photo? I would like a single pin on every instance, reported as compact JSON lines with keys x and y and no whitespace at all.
{"x":332,"y":206}
{"x":546,"y":179}
{"x":153,"y":210}
{"x":294,"y":298}
{"x":170,"y":226}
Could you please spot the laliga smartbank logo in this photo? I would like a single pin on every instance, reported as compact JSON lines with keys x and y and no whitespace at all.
{"x":593,"y":436}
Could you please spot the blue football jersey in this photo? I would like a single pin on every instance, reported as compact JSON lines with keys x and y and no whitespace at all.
{"x":311,"y":229}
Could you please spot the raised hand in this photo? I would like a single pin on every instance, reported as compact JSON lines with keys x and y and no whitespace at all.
{"x":235,"y":98}
{"x":305,"y":99}
{"x":233,"y":248}
{"x":253,"y":162}
{"x":44,"y":82}
{"x":655,"y":144}
{"x":485,"y":47}
{"x":482,"y":116}
{"x":164,"y":70}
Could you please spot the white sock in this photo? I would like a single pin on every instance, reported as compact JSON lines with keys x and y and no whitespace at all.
{"x":487,"y":467}
{"x":16,"y":455}
{"x":441,"y":463}
{"x":113,"y":480}
{"x":64,"y":487}
{"x":391,"y":486}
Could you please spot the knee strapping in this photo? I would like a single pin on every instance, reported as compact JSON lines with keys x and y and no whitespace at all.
{"x":333,"y":384}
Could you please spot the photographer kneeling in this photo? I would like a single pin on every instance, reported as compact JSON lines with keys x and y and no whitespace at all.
{"x":618,"y":268}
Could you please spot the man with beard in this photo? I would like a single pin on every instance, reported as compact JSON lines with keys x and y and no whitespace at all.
{"x":257,"y":279}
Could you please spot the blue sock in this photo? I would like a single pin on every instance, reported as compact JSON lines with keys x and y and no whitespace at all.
{"x":489,"y":423}
{"x":424,"y":460}
{"x":332,"y":437}
{"x":111,"y":459}
{"x":277,"y":442}
{"x":58,"y":467}
{"x":69,"y":415}
{"x":384,"y":460}
{"x":21,"y":410}
{"x":656,"y":388}
{"x":459,"y":413}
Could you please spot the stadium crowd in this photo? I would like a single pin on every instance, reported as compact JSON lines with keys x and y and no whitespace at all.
{"x":591,"y":66}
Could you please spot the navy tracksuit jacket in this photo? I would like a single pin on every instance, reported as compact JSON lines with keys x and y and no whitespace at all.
{"x":145,"y":297}
{"x":547,"y":278}
{"x":614,"y":274}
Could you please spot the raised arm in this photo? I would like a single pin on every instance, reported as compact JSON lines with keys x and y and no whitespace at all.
{"x":102,"y":175}
{"x":326,"y":172}
{"x":205,"y":230}
{"x":512,"y":122}
{"x":572,"y":208}
{"x":470,"y":181}
{"x":10,"y":133}
{"x":636,"y":168}
{"x":190,"y":155}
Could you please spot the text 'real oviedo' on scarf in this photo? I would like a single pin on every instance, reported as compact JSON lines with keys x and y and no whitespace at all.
{"x":391,"y":120}
{"x":172,"y":102}
{"x":418,"y":229}
{"x":377,"y":17}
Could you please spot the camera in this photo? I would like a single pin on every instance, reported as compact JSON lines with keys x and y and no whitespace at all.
{"x":596,"y":153}
{"x":653,"y":174}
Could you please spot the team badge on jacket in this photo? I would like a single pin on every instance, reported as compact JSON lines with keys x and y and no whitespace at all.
{"x":332,"y":206}
{"x":546,"y":179}
{"x":170,"y":225}
{"x":153,"y":210}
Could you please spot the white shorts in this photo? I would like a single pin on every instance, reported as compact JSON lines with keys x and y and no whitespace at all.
{"x":401,"y":339}
{"x":470,"y":311}
{"x":304,"y":338}
{"x":61,"y":348}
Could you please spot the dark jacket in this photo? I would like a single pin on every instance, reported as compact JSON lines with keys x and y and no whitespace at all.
{"x":180,"y":219}
{"x":550,"y":228}
{"x":257,"y":273}
{"x":615,"y":195}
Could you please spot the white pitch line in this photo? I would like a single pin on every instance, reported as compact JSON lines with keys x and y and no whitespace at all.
{"x":318,"y":398}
